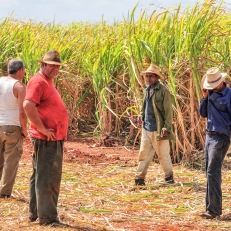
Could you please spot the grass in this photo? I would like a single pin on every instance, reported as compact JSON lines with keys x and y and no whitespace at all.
{"x":100,"y":197}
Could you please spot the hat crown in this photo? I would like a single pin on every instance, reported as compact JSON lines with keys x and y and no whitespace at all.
{"x":52,"y":56}
{"x":153,"y":69}
{"x":213,"y":74}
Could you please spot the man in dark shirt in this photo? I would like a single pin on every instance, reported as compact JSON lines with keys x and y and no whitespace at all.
{"x":216,"y":107}
{"x":157,"y":127}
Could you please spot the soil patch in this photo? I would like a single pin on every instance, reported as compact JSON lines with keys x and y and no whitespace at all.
{"x":84,"y":151}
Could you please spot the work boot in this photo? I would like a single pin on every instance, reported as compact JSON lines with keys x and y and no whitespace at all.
{"x":32,"y":218}
{"x":169,"y":179}
{"x":207,"y":215}
{"x":139,"y":182}
{"x":4,"y":196}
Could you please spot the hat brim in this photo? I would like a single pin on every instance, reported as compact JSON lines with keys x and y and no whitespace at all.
{"x":153,"y":72}
{"x":51,"y":62}
{"x":211,"y":86}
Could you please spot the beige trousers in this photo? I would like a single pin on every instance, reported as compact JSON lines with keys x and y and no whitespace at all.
{"x":148,"y":146}
{"x":10,"y":154}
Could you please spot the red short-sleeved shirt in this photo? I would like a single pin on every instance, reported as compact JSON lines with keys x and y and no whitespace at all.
{"x":51,"y":109}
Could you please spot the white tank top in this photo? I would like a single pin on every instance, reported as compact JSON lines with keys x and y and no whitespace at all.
{"x":9,"y":113}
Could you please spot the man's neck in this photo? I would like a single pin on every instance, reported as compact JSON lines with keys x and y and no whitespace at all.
{"x":14,"y":77}
{"x":153,"y":85}
{"x":45,"y":76}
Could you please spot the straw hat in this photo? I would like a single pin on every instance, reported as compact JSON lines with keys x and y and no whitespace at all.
{"x":213,"y":78}
{"x":154,"y":69}
{"x":51,"y":57}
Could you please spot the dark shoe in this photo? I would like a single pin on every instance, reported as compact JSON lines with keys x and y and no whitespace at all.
{"x":169,"y":179}
{"x":48,"y":221}
{"x":32,"y":218}
{"x":59,"y":224}
{"x":139,"y":182}
{"x":55,"y":224}
{"x":4,"y":196}
{"x":208,"y":215}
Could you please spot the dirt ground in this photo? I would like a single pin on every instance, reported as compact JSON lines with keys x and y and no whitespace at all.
{"x":88,"y":151}
{"x":97,"y":193}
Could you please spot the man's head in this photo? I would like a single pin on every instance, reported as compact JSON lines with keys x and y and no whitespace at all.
{"x":51,"y":64}
{"x":16,"y":67}
{"x":153,"y":74}
{"x":213,"y":79}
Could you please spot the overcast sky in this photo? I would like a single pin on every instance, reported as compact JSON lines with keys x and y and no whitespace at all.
{"x":68,"y":11}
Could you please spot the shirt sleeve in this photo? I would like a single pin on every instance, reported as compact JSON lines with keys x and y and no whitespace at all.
{"x":34,"y":92}
{"x":167,"y":105}
{"x":203,"y":108}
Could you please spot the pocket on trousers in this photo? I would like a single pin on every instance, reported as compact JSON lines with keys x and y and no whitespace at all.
{"x":50,"y":150}
{"x":9,"y":133}
{"x":19,"y":151}
{"x":219,"y":145}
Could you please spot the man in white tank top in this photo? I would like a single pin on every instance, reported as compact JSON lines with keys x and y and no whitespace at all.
{"x":13,"y":122}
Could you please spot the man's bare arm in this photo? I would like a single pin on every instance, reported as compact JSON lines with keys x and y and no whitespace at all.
{"x":32,"y":113}
{"x":19,"y":91}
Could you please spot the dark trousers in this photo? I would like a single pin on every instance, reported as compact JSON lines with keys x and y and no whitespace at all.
{"x":216,"y":146}
{"x":45,"y":180}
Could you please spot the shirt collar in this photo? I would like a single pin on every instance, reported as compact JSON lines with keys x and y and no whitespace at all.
{"x":223,"y":92}
{"x":156,"y":87}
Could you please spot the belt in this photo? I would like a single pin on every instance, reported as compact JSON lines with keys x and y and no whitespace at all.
{"x":214,"y":133}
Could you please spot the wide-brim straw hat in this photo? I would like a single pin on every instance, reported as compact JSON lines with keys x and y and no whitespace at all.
{"x":51,"y":57}
{"x":154,"y":69}
{"x":213,"y":78}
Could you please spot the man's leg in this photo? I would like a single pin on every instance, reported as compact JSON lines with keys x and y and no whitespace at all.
{"x":1,"y":150}
{"x":145,"y":156}
{"x":33,"y":201}
{"x":216,"y":149}
{"x":12,"y":154}
{"x":47,"y":179}
{"x":162,"y":149}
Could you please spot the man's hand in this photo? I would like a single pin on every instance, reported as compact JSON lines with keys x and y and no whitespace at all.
{"x":49,"y":133}
{"x":204,"y":93}
{"x":139,"y":119}
{"x":24,"y":133}
{"x":164,"y":133}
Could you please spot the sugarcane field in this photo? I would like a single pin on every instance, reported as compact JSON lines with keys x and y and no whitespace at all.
{"x":101,"y":82}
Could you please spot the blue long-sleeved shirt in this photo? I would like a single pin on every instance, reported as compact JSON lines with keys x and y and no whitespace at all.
{"x":217,"y":109}
{"x":149,"y":116}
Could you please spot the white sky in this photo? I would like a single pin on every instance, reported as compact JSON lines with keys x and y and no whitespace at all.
{"x":68,"y":11}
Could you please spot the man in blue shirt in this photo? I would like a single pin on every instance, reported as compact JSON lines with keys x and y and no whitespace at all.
{"x":216,"y":107}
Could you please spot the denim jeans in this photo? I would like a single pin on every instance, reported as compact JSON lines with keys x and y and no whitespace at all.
{"x":10,"y":153}
{"x":216,"y":147}
{"x":149,"y":145}
{"x":45,"y":180}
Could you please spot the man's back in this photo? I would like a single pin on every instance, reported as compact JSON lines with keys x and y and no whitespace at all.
{"x":13,"y":122}
{"x":9,"y":111}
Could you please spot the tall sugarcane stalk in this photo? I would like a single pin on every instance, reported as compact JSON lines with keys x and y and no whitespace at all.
{"x":105,"y":64}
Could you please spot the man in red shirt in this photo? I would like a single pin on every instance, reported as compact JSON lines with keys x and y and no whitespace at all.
{"x":48,"y":130}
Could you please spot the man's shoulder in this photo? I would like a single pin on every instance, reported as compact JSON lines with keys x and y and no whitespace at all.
{"x":228,"y":90}
{"x":162,"y":87}
{"x":19,"y":85}
{"x":2,"y":78}
{"x":38,"y":80}
{"x":36,"y":77}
